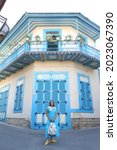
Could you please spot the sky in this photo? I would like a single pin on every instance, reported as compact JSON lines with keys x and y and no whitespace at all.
{"x":92,"y":9}
{"x":14,"y":9}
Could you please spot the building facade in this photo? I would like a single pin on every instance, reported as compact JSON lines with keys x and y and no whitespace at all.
{"x":50,"y":56}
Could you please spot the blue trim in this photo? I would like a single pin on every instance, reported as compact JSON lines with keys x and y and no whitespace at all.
{"x":7,"y":102}
{"x":44,"y":37}
{"x":3,"y":90}
{"x":20,"y":109}
{"x":25,"y":18}
{"x":34,"y":105}
{"x":81,"y":111}
{"x":33,"y":120}
{"x":80,"y":100}
{"x":68,"y":98}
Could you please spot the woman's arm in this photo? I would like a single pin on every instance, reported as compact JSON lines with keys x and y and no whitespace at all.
{"x":48,"y":115}
{"x":55,"y":117}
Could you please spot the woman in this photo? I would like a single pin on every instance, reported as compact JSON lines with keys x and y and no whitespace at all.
{"x":51,"y":114}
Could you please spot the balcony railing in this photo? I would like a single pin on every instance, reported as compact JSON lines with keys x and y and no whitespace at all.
{"x":65,"y":46}
{"x":44,"y":46}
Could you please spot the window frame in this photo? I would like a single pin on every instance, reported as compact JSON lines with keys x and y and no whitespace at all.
{"x":79,"y":94}
{"x":44,"y":37}
{"x":20,"y":110}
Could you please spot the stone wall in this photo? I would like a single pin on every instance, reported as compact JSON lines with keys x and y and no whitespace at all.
{"x":21,"y":122}
{"x":85,"y":122}
{"x":77,"y":123}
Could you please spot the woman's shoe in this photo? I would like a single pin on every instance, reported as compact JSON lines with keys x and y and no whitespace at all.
{"x":47,"y":142}
{"x":53,"y":141}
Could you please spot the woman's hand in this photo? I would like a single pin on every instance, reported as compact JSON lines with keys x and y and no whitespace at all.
{"x":52,"y":120}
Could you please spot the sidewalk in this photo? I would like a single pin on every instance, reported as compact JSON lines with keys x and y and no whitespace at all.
{"x":15,"y":138}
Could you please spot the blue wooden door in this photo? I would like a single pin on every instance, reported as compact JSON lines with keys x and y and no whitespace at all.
{"x":3,"y":105}
{"x":47,"y":90}
{"x":59,"y":95}
{"x":86,"y":100}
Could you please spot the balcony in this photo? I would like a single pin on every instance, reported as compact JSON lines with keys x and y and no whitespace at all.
{"x":27,"y":53}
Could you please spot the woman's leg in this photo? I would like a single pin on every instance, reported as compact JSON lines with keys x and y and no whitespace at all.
{"x":47,"y":141}
{"x":51,"y":139}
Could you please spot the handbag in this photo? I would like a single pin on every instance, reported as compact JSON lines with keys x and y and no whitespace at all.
{"x":52,"y":129}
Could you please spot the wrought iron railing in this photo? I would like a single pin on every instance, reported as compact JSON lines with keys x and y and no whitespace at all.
{"x":34,"y":46}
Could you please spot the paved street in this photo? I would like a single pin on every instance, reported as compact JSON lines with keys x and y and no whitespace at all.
{"x":15,"y":138}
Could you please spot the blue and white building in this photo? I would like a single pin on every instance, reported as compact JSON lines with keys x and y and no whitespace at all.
{"x":50,"y":56}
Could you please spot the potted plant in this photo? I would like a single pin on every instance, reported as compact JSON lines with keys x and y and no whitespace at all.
{"x":68,"y":38}
{"x":37,"y":39}
{"x":48,"y":38}
{"x":58,"y":38}
{"x":53,"y":38}
{"x":81,"y":40}
{"x":28,"y":38}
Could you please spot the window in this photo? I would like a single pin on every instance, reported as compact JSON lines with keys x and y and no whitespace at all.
{"x":51,"y":36}
{"x":53,"y":44}
{"x":3,"y":102}
{"x":19,"y":95}
{"x":85,"y":99}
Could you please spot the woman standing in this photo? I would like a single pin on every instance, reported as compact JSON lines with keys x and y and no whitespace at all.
{"x":51,"y":114}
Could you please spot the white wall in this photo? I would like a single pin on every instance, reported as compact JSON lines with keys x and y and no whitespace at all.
{"x":73,"y":69}
{"x":70,"y":67}
{"x":27,"y":102}
{"x":65,"y":31}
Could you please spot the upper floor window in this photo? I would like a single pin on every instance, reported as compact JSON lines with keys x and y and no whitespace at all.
{"x":51,"y":36}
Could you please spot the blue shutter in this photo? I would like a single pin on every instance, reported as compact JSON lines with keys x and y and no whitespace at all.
{"x":40,"y":85}
{"x":55,"y":85}
{"x":83,"y":98}
{"x":55,"y":91}
{"x":3,"y":105}
{"x":39,"y":92}
{"x":16,"y":98}
{"x":85,"y":92}
{"x":62,"y":96}
{"x":19,"y":98}
{"x":55,"y":96}
{"x":47,"y":96}
{"x":88,"y":96}
{"x":39,"y":107}
{"x":40,"y":96}
{"x":62,"y":89}
{"x":62,"y":108}
{"x":45,"y":107}
{"x":47,"y":91}
{"x":47,"y":87}
{"x":62,"y":85}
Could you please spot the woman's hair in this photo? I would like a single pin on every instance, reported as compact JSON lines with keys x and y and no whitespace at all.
{"x":50,"y":102}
